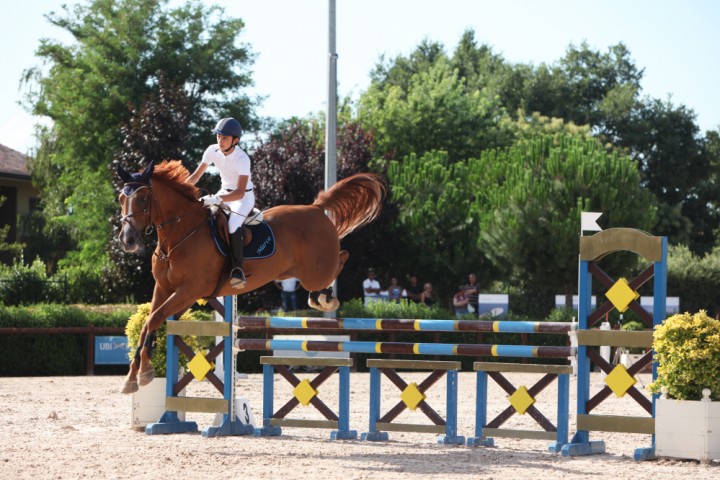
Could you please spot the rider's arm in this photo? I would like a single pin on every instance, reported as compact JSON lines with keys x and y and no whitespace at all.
{"x":193,"y":179}
{"x":239,"y":191}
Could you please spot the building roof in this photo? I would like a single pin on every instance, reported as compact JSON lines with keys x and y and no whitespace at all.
{"x":13,"y":164}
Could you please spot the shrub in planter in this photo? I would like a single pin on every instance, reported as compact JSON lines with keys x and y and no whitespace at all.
{"x":687,"y":350}
{"x":137,"y":320}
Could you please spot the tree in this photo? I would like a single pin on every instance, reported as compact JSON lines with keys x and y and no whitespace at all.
{"x":89,"y":90}
{"x":434,"y":200}
{"x":155,"y":132}
{"x":420,"y":106}
{"x":531,"y":218}
{"x":664,"y":140}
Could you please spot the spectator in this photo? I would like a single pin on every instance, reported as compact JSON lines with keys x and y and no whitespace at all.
{"x":426,"y":297}
{"x":371,"y":288}
{"x":414,"y":290}
{"x":288,"y":293}
{"x":472,"y":290}
{"x":395,"y":291}
{"x":460,"y":302}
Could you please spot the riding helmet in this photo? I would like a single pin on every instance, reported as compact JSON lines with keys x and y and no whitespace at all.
{"x":228,"y":126}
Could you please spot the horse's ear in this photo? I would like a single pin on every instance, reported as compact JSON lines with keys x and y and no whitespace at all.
{"x":124,"y":176}
{"x":147,"y":173}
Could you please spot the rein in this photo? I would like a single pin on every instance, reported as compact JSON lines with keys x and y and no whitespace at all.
{"x":158,"y":226}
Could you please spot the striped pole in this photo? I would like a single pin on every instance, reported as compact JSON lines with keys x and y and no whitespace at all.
{"x":394,"y":324}
{"x":474,"y":350}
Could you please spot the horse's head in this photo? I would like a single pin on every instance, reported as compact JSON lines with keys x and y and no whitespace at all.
{"x":135,"y":201}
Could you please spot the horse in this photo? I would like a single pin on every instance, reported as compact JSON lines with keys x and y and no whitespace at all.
{"x":187,"y":266}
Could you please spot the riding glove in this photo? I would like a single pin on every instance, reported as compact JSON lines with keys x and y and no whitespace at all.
{"x":210,"y":200}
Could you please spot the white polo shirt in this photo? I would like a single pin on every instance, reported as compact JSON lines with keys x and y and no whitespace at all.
{"x":230,"y":167}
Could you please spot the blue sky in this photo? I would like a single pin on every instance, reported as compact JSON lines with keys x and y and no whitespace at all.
{"x":677,"y":43}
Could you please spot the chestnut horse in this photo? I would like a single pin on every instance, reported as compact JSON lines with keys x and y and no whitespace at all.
{"x":187,"y":266}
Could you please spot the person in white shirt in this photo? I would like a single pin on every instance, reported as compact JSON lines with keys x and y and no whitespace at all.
{"x":371,"y":288}
{"x":288,"y":293}
{"x":236,"y":191}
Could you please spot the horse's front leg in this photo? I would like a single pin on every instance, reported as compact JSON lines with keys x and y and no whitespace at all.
{"x":164,"y":304}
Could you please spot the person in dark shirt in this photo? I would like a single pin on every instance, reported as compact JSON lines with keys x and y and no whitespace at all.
{"x":472,"y":290}
{"x":426,"y":297}
{"x":414,"y":289}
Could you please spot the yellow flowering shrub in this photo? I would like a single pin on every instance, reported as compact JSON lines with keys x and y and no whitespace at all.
{"x":137,"y":320}
{"x":687,"y":350}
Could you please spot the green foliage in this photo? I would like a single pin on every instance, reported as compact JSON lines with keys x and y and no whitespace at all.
{"x":56,"y":354}
{"x":91,"y":87}
{"x":530,"y":212}
{"x":694,"y":279}
{"x":432,"y":109}
{"x":25,"y":284}
{"x":197,"y":344}
{"x":434,"y":198}
{"x":405,"y":309}
{"x":83,"y":284}
{"x":54,"y":315}
{"x":687,"y":350}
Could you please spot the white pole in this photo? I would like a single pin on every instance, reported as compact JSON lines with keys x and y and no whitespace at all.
{"x":331,"y":123}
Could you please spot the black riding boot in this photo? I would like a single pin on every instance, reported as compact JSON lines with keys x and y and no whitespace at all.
{"x":237,"y":277}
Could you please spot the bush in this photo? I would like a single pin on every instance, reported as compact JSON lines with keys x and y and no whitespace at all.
{"x":687,"y":350}
{"x":83,"y":284}
{"x":50,"y":354}
{"x":25,"y":284}
{"x":694,"y":279}
{"x":197,"y":344}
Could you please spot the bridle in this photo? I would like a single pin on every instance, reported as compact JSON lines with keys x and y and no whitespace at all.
{"x":150,"y":225}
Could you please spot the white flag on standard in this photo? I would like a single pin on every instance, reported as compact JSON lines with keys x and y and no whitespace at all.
{"x":588,"y":221}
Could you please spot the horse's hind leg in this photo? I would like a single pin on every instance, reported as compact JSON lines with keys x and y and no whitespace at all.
{"x":325,"y":300}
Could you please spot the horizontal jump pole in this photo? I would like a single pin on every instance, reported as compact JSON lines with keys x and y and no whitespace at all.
{"x":474,"y":350}
{"x":395,"y":324}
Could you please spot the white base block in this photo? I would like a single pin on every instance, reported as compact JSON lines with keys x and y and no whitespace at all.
{"x":243,"y":412}
{"x":148,"y":404}
{"x":687,"y":429}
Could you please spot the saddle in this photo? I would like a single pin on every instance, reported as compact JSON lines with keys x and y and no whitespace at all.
{"x":259,"y":240}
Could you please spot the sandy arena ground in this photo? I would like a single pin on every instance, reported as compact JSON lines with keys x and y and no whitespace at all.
{"x":79,"y":427}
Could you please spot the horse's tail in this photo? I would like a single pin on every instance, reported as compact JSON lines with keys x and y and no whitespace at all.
{"x":352,"y":202}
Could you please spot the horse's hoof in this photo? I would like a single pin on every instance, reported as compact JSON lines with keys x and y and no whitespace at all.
{"x":146,"y":377}
{"x":332,"y":305}
{"x":129,"y":387}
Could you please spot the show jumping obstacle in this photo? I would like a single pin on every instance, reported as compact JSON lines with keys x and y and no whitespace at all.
{"x":412,"y":396}
{"x":200,"y":367}
{"x":621,"y":294}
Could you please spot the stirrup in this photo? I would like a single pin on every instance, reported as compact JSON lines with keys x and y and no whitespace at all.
{"x":237,"y":278}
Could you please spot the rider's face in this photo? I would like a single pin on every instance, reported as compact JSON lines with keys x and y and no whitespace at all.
{"x":224,"y":141}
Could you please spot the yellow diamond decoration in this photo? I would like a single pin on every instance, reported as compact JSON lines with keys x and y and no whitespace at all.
{"x":621,"y":295}
{"x":412,"y":396}
{"x":521,"y":400}
{"x":304,"y":392}
{"x":619,"y":380}
{"x":199,"y":366}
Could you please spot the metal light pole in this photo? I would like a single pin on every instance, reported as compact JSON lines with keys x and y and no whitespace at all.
{"x":331,"y":122}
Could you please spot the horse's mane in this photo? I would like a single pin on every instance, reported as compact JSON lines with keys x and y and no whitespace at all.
{"x":174,"y":174}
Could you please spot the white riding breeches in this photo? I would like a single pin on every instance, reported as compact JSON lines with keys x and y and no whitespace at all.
{"x":239,"y":209}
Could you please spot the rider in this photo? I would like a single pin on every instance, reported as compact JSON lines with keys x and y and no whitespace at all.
{"x":236,"y":191}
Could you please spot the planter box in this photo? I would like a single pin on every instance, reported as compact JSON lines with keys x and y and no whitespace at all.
{"x":687,"y":429}
{"x":148,"y":404}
